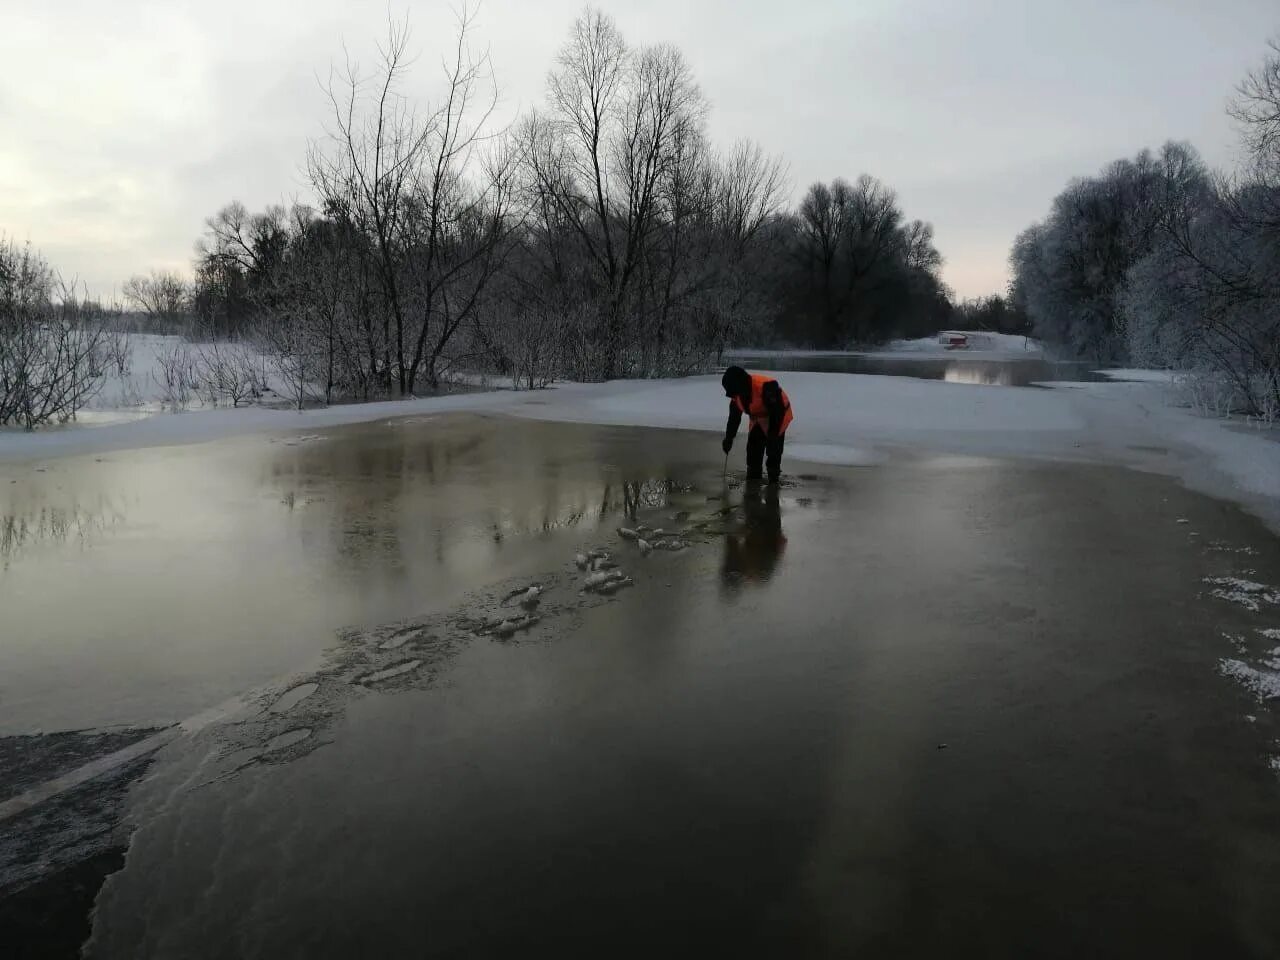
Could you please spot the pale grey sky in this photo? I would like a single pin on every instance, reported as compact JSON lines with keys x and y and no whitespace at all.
{"x":124,"y":124}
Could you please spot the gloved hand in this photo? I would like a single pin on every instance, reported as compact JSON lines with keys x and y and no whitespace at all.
{"x":726,"y":445}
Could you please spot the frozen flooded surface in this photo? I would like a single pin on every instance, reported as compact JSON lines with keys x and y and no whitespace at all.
{"x":941,"y":706}
{"x":159,"y":582}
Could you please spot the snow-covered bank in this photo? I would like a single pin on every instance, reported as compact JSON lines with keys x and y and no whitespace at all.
{"x":199,"y":426}
{"x":1139,"y":375}
{"x":840,"y":419}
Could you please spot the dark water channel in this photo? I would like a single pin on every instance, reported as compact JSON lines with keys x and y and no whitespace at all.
{"x":953,"y":368}
{"x":940,"y":707}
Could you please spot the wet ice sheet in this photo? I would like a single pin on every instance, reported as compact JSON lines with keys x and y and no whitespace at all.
{"x":789,"y":679}
{"x":203,"y":573}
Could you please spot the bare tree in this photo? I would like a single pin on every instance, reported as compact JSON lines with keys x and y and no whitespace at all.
{"x":1256,"y":108}
{"x":636,"y":226}
{"x":415,"y":181}
{"x":162,"y":296}
{"x":619,"y":123}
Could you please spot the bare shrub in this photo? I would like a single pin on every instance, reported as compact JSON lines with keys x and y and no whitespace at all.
{"x":52,"y":343}
{"x":226,"y":373}
{"x":1209,"y":392}
{"x":523,"y":344}
{"x":178,"y":377}
{"x":118,"y":347}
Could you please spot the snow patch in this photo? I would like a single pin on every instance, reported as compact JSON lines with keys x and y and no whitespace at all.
{"x":1263,"y":684}
{"x":1219,"y":547}
{"x":1247,"y":593}
{"x":836,"y":454}
{"x":843,"y":409}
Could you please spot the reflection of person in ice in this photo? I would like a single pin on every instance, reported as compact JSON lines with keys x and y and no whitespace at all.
{"x":751,"y":554}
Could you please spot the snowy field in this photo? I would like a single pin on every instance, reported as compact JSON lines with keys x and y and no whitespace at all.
{"x":153,"y":374}
{"x":841,"y":419}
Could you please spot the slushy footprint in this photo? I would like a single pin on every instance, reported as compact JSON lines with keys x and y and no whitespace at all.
{"x":389,"y":673}
{"x":287,"y":739}
{"x":291,"y":698}
{"x":403,"y":636}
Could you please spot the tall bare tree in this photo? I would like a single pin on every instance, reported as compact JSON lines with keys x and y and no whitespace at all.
{"x":419,"y":182}
{"x":629,"y":207}
{"x":618,"y":127}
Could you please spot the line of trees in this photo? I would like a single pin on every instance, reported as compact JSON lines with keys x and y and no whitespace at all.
{"x":602,"y":235}
{"x":1161,"y":262}
{"x":854,"y":270}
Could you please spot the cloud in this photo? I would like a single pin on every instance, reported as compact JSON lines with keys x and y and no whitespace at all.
{"x":135,"y":120}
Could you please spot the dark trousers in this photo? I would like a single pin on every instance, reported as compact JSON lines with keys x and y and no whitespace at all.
{"x":758,"y":443}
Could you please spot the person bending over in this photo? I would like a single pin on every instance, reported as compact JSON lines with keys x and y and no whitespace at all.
{"x":765,"y":403}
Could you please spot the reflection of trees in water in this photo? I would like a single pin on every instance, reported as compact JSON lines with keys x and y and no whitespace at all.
{"x":367,"y":490}
{"x":54,"y":524}
{"x":393,"y":501}
{"x":650,"y":494}
{"x":568,"y":504}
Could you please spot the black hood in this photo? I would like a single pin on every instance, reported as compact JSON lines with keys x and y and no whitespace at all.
{"x":736,"y":382}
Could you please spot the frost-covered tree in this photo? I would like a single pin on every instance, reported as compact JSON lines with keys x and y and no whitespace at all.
{"x":1207,"y":298}
{"x":1071,"y":270}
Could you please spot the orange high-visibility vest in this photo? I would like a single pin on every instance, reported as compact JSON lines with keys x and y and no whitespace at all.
{"x":757,"y":411}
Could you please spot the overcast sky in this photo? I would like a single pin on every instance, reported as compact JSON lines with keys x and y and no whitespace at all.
{"x":124,"y":124}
